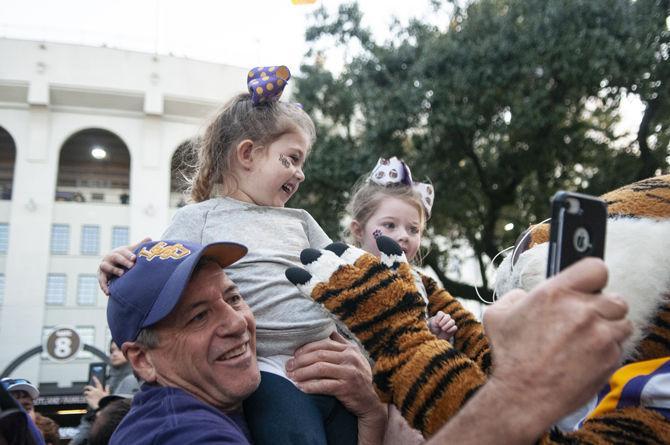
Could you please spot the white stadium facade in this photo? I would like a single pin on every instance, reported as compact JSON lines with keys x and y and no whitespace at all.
{"x":90,"y":159}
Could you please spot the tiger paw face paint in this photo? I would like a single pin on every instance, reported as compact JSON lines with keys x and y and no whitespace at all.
{"x":284,"y":161}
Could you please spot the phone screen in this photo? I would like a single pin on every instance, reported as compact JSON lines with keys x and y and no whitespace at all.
{"x":96,"y":370}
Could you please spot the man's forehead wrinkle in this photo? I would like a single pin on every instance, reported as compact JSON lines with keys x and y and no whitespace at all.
{"x":207,"y":281}
{"x":203,"y":279}
{"x":200,"y":292}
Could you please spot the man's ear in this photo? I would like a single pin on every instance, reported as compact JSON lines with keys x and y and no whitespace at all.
{"x":140,"y":360}
{"x":244,"y":153}
{"x":356,"y":230}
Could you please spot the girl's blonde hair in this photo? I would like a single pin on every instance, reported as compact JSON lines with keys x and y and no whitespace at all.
{"x":237,"y":120}
{"x":366,"y":198}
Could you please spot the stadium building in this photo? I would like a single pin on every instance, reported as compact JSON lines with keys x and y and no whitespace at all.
{"x":91,"y":146}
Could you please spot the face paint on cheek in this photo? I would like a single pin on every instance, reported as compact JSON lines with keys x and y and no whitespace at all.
{"x":377,"y":233}
{"x":284,"y":161}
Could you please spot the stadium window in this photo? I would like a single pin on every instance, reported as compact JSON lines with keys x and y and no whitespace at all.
{"x":60,"y":239}
{"x":90,"y":240}
{"x":56,"y":289}
{"x":87,"y":290}
{"x":4,"y":237}
{"x":119,"y":236}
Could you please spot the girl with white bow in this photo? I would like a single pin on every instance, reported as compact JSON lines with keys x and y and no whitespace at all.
{"x":388,"y":202}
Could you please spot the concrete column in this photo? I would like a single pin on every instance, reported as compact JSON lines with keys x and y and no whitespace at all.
{"x":149,"y":184}
{"x":22,"y":316}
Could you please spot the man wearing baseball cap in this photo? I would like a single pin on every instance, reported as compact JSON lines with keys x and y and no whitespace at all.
{"x":23,"y":392}
{"x":16,"y":426}
{"x":190,"y":336}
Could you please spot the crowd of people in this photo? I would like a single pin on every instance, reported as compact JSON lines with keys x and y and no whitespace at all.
{"x":24,"y":393}
{"x":229,"y":351}
{"x":120,"y":382}
{"x":105,"y":404}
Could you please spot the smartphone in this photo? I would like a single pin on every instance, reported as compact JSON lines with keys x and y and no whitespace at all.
{"x":97,"y":370}
{"x":578,"y":224}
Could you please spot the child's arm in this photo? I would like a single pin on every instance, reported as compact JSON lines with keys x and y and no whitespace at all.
{"x":442,"y":325}
{"x":115,"y":263}
{"x":470,"y":338}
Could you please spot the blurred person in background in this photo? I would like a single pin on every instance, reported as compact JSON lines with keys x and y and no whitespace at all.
{"x":111,"y":411}
{"x":120,"y":380}
{"x":23,"y":392}
{"x":29,"y":427}
{"x":49,"y":429}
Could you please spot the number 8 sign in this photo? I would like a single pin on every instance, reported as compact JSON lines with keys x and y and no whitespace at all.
{"x":63,"y":344}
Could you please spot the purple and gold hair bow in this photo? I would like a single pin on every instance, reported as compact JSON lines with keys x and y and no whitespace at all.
{"x":266,"y":83}
{"x":394,"y":171}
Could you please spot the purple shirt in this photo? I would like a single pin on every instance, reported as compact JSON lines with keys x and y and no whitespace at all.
{"x":173,"y":416}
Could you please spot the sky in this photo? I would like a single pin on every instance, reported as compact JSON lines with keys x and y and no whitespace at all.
{"x":244,"y":33}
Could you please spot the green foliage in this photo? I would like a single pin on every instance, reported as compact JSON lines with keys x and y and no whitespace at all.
{"x":511,"y":101}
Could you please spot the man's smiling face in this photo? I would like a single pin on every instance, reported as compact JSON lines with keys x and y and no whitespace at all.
{"x":208,"y":342}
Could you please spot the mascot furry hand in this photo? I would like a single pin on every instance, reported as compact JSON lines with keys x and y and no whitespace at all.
{"x":426,"y":378}
{"x":429,"y":380}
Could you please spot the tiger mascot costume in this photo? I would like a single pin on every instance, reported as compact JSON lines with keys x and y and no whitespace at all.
{"x":429,"y":379}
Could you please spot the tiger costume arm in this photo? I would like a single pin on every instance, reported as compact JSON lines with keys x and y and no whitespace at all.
{"x":426,"y":378}
{"x":629,"y":425}
{"x":469,"y":338}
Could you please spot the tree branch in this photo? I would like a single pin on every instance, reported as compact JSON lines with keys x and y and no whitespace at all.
{"x":457,"y":289}
{"x":649,"y":164}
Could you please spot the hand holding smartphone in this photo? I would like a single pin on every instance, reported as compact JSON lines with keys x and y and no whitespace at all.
{"x":97,"y":370}
{"x":578,"y":224}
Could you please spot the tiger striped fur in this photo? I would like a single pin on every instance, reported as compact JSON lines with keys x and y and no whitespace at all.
{"x":623,"y":426}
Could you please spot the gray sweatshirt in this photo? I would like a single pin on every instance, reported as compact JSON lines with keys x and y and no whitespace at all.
{"x":285,"y":320}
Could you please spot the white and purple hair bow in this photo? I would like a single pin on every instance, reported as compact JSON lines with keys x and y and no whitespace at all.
{"x":394,"y":171}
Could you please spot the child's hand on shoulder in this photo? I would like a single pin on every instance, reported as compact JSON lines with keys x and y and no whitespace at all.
{"x":113,"y":264}
{"x":442,"y":325}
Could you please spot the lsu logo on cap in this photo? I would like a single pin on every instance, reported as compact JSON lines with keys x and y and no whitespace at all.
{"x":165,"y":251}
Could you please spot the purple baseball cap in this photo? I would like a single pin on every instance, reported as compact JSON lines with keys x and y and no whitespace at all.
{"x":147,"y":292}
